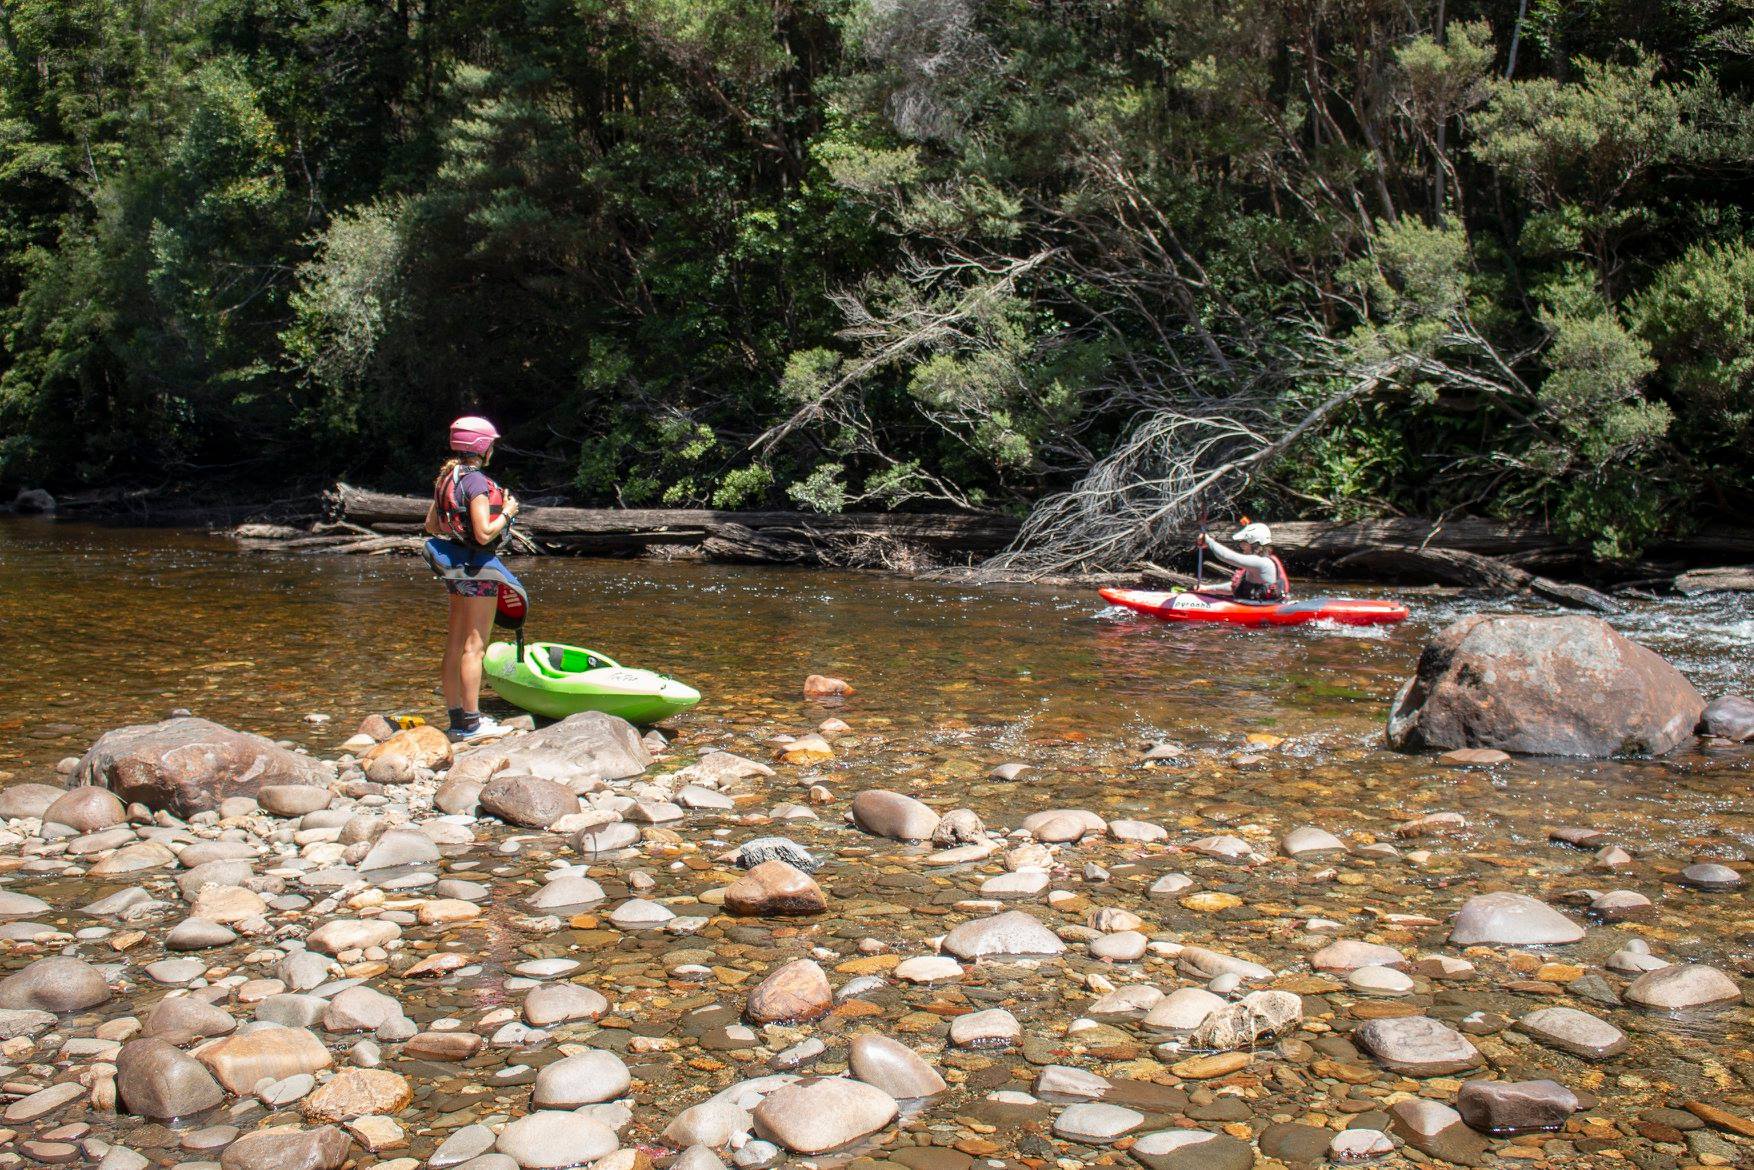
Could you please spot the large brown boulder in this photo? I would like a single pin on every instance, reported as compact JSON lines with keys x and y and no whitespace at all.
{"x":1550,"y":686}
{"x":185,"y":766}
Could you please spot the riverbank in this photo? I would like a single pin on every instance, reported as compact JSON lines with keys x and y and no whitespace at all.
{"x":1480,"y":554}
{"x":1487,"y":556}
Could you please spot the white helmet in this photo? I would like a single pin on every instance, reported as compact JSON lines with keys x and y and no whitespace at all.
{"x":1254,"y":534}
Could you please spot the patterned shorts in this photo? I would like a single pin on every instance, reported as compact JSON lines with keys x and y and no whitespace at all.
{"x":473,"y":588}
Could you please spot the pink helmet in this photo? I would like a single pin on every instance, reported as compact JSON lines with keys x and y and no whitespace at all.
{"x":473,"y":434}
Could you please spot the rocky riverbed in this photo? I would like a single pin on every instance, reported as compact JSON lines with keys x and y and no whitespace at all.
{"x":1047,"y":889}
{"x":821,"y":942}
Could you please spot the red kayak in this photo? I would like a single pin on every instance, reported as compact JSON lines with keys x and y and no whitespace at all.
{"x":1209,"y":607}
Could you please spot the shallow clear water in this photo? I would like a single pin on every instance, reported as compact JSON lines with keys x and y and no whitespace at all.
{"x":107,"y":627}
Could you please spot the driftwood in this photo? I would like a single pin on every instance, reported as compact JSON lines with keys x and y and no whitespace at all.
{"x":377,"y":544}
{"x":1459,"y":567}
{"x":269,"y":532}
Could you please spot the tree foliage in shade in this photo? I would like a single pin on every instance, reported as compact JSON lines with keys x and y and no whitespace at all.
{"x":1110,"y":262}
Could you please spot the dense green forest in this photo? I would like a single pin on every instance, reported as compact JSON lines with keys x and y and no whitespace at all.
{"x":1343,"y":257}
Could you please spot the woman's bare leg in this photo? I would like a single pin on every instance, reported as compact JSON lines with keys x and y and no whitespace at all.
{"x":477,"y":621}
{"x":456,"y":636}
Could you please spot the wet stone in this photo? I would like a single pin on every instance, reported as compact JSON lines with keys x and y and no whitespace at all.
{"x":469,"y":1142}
{"x":814,"y":1116}
{"x":1506,"y":1107}
{"x":993,"y":1028}
{"x":893,"y":1067}
{"x":1512,"y":919}
{"x":1436,"y":1129}
{"x":1576,"y":1032}
{"x":1295,"y":1143}
{"x":321,"y":1148}
{"x":1308,"y":840}
{"x":562,"y":1002}
{"x":54,"y":984}
{"x":356,"y":1092}
{"x":1682,"y":986}
{"x":1013,"y":933}
{"x":1191,"y":1149}
{"x":774,"y":888}
{"x":1345,"y":955}
{"x":1417,"y":1046}
{"x":585,"y":1078}
{"x":571,"y":890}
{"x":799,"y":990}
{"x":764,"y":849}
{"x":1620,"y":905}
{"x":550,"y":1140}
{"x":893,"y":815}
{"x":182,"y":1019}
{"x":1184,"y":1009}
{"x":1710,"y":876}
{"x":1063,"y":1081}
{"x":1352,"y":1146}
{"x":42,"y":1103}
{"x":1094,"y":1123}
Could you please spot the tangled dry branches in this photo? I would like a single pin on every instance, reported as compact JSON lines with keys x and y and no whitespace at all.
{"x":1171,"y":467}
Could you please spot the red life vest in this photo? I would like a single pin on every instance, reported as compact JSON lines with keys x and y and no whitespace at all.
{"x":453,"y":510}
{"x":1244,"y":590}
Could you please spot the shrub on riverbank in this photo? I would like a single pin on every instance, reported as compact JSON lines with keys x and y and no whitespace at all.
{"x":866,"y":254}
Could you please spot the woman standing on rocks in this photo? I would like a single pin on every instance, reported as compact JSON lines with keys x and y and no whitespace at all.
{"x":467,"y":522}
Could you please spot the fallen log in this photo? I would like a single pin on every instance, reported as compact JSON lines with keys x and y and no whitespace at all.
{"x":742,"y":535}
{"x":1466,"y":551}
{"x":305,"y":543}
{"x":376,"y":544}
{"x":1460,"y":567}
{"x":1730,"y":579}
{"x":1314,"y":542}
{"x":740,"y":544}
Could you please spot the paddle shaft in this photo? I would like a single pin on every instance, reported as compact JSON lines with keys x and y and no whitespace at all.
{"x":1200,"y":558}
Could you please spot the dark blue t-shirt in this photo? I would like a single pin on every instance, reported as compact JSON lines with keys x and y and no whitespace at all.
{"x":471,"y":484}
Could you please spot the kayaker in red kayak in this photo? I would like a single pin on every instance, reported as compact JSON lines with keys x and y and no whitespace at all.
{"x":1260,"y":574}
{"x":468,"y":517}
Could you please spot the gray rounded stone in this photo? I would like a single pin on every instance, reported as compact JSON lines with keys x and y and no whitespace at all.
{"x":1682,"y":985}
{"x":1094,"y":1123}
{"x":1573,"y":1031}
{"x":1510,"y":919}
{"x":58,"y":983}
{"x":1418,"y":1046}
{"x":551,"y":1140}
{"x":1012,"y":933}
{"x":586,"y":1078}
{"x":1191,"y":1149}
{"x":814,"y":1116}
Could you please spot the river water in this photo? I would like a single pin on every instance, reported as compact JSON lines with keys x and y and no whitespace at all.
{"x":106,"y":627}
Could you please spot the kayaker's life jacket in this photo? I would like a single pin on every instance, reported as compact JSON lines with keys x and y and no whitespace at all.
{"x":453,"y":509}
{"x":1243,"y":589}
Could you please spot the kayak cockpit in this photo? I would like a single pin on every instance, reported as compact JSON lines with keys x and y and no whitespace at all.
{"x":553,"y":660}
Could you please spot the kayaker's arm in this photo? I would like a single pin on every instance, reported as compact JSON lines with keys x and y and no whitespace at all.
{"x":487,"y":526}
{"x":1263,"y":566}
{"x":433,"y":526}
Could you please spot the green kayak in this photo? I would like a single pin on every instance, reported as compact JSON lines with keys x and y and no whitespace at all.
{"x":557,"y":681}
